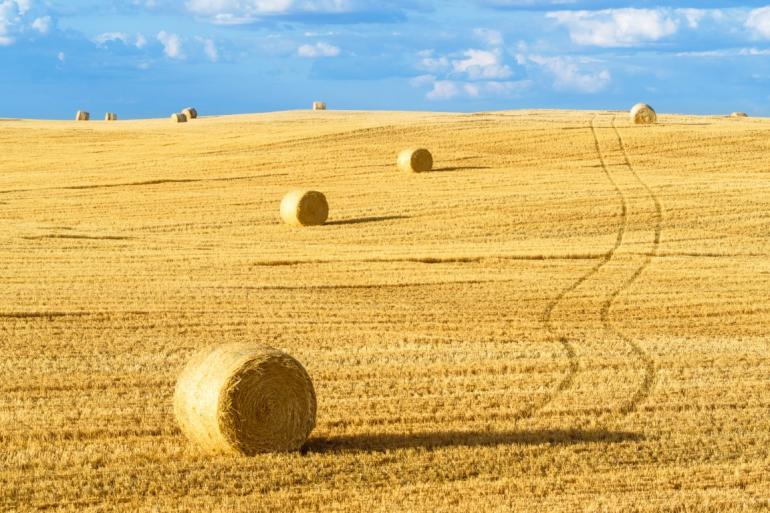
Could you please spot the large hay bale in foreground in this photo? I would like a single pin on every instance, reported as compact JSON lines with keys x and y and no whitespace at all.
{"x":643,"y":114}
{"x":190,"y":112}
{"x":110,"y":116}
{"x":304,"y":208}
{"x":415,"y":160}
{"x":739,"y":115}
{"x":319,"y":105}
{"x":245,"y":399}
{"x":178,"y":118}
{"x":82,"y":116}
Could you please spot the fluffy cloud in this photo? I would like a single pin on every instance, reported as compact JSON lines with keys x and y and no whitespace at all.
{"x":172,"y":45}
{"x":443,"y":90}
{"x":758,"y":22}
{"x":617,"y":27}
{"x":17,"y":17}
{"x":209,"y":49}
{"x":319,"y":49}
{"x":139,"y":41}
{"x":568,"y":75}
{"x":248,"y":11}
{"x":482,"y":65}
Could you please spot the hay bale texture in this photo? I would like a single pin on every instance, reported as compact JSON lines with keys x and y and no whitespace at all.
{"x":643,"y":114}
{"x":178,"y":118}
{"x":110,"y":116}
{"x":190,"y":112}
{"x":415,"y":160}
{"x":319,"y":105}
{"x":304,"y":208}
{"x":245,"y":399}
{"x":82,"y":116}
{"x":739,"y":115}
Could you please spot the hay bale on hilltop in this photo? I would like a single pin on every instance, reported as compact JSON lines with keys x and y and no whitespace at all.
{"x":415,"y":160}
{"x":82,"y":116}
{"x":304,"y":208}
{"x":190,"y":112}
{"x":319,"y":105}
{"x":110,"y":116}
{"x":178,"y":118}
{"x":643,"y":114}
{"x":245,"y":399}
{"x":739,"y":115}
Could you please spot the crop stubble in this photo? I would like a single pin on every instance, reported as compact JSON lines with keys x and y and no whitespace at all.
{"x":569,"y":314}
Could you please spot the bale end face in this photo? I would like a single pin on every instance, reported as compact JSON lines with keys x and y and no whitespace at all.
{"x":245,"y":399}
{"x":178,"y":118}
{"x":304,"y":208}
{"x":643,"y":114}
{"x":415,"y":160}
{"x":82,"y":116}
{"x":319,"y":105}
{"x":190,"y":112}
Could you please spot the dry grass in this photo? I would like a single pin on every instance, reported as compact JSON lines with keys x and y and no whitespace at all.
{"x":570,"y":314}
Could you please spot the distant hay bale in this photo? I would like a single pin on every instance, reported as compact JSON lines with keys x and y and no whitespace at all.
{"x":643,"y":114}
{"x":110,"y":116}
{"x":190,"y":112}
{"x":319,"y":105}
{"x":178,"y":118}
{"x":739,"y":115}
{"x":415,"y":160}
{"x":304,"y":208}
{"x":82,"y":116}
{"x":245,"y":399}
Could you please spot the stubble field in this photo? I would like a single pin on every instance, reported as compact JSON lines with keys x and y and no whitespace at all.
{"x":569,"y":314}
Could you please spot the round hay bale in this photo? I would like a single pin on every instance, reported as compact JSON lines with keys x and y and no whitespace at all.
{"x":190,"y":112}
{"x":319,"y":105}
{"x":82,"y":116}
{"x":643,"y":114}
{"x":739,"y":115}
{"x":245,"y":399}
{"x":304,"y":208}
{"x":415,"y":161}
{"x":110,"y":116}
{"x":178,"y":118}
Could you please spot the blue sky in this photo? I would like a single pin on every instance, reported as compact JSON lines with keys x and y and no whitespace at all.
{"x":148,"y":58}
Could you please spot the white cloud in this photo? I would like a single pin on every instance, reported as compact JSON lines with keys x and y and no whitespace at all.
{"x":61,"y":56}
{"x":422,"y":80}
{"x":568,"y":75}
{"x":443,"y":90}
{"x":139,"y":41}
{"x":247,"y":11}
{"x":429,"y":62}
{"x":758,"y":22}
{"x":209,"y":49}
{"x":482,"y":65}
{"x":16,"y":17}
{"x":172,"y":45}
{"x":693,"y":17}
{"x":617,"y":27}
{"x":319,"y":49}
{"x":42,"y":24}
{"x":108,"y":37}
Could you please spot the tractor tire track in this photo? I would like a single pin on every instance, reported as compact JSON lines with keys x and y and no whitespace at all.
{"x":648,"y":363}
{"x":547,"y":317}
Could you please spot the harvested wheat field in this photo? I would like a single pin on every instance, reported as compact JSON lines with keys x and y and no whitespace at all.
{"x":569,"y":313}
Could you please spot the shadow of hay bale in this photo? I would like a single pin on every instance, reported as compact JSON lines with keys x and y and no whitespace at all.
{"x":375,"y":442}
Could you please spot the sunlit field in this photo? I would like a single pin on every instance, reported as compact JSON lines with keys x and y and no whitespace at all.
{"x":570,"y":313}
